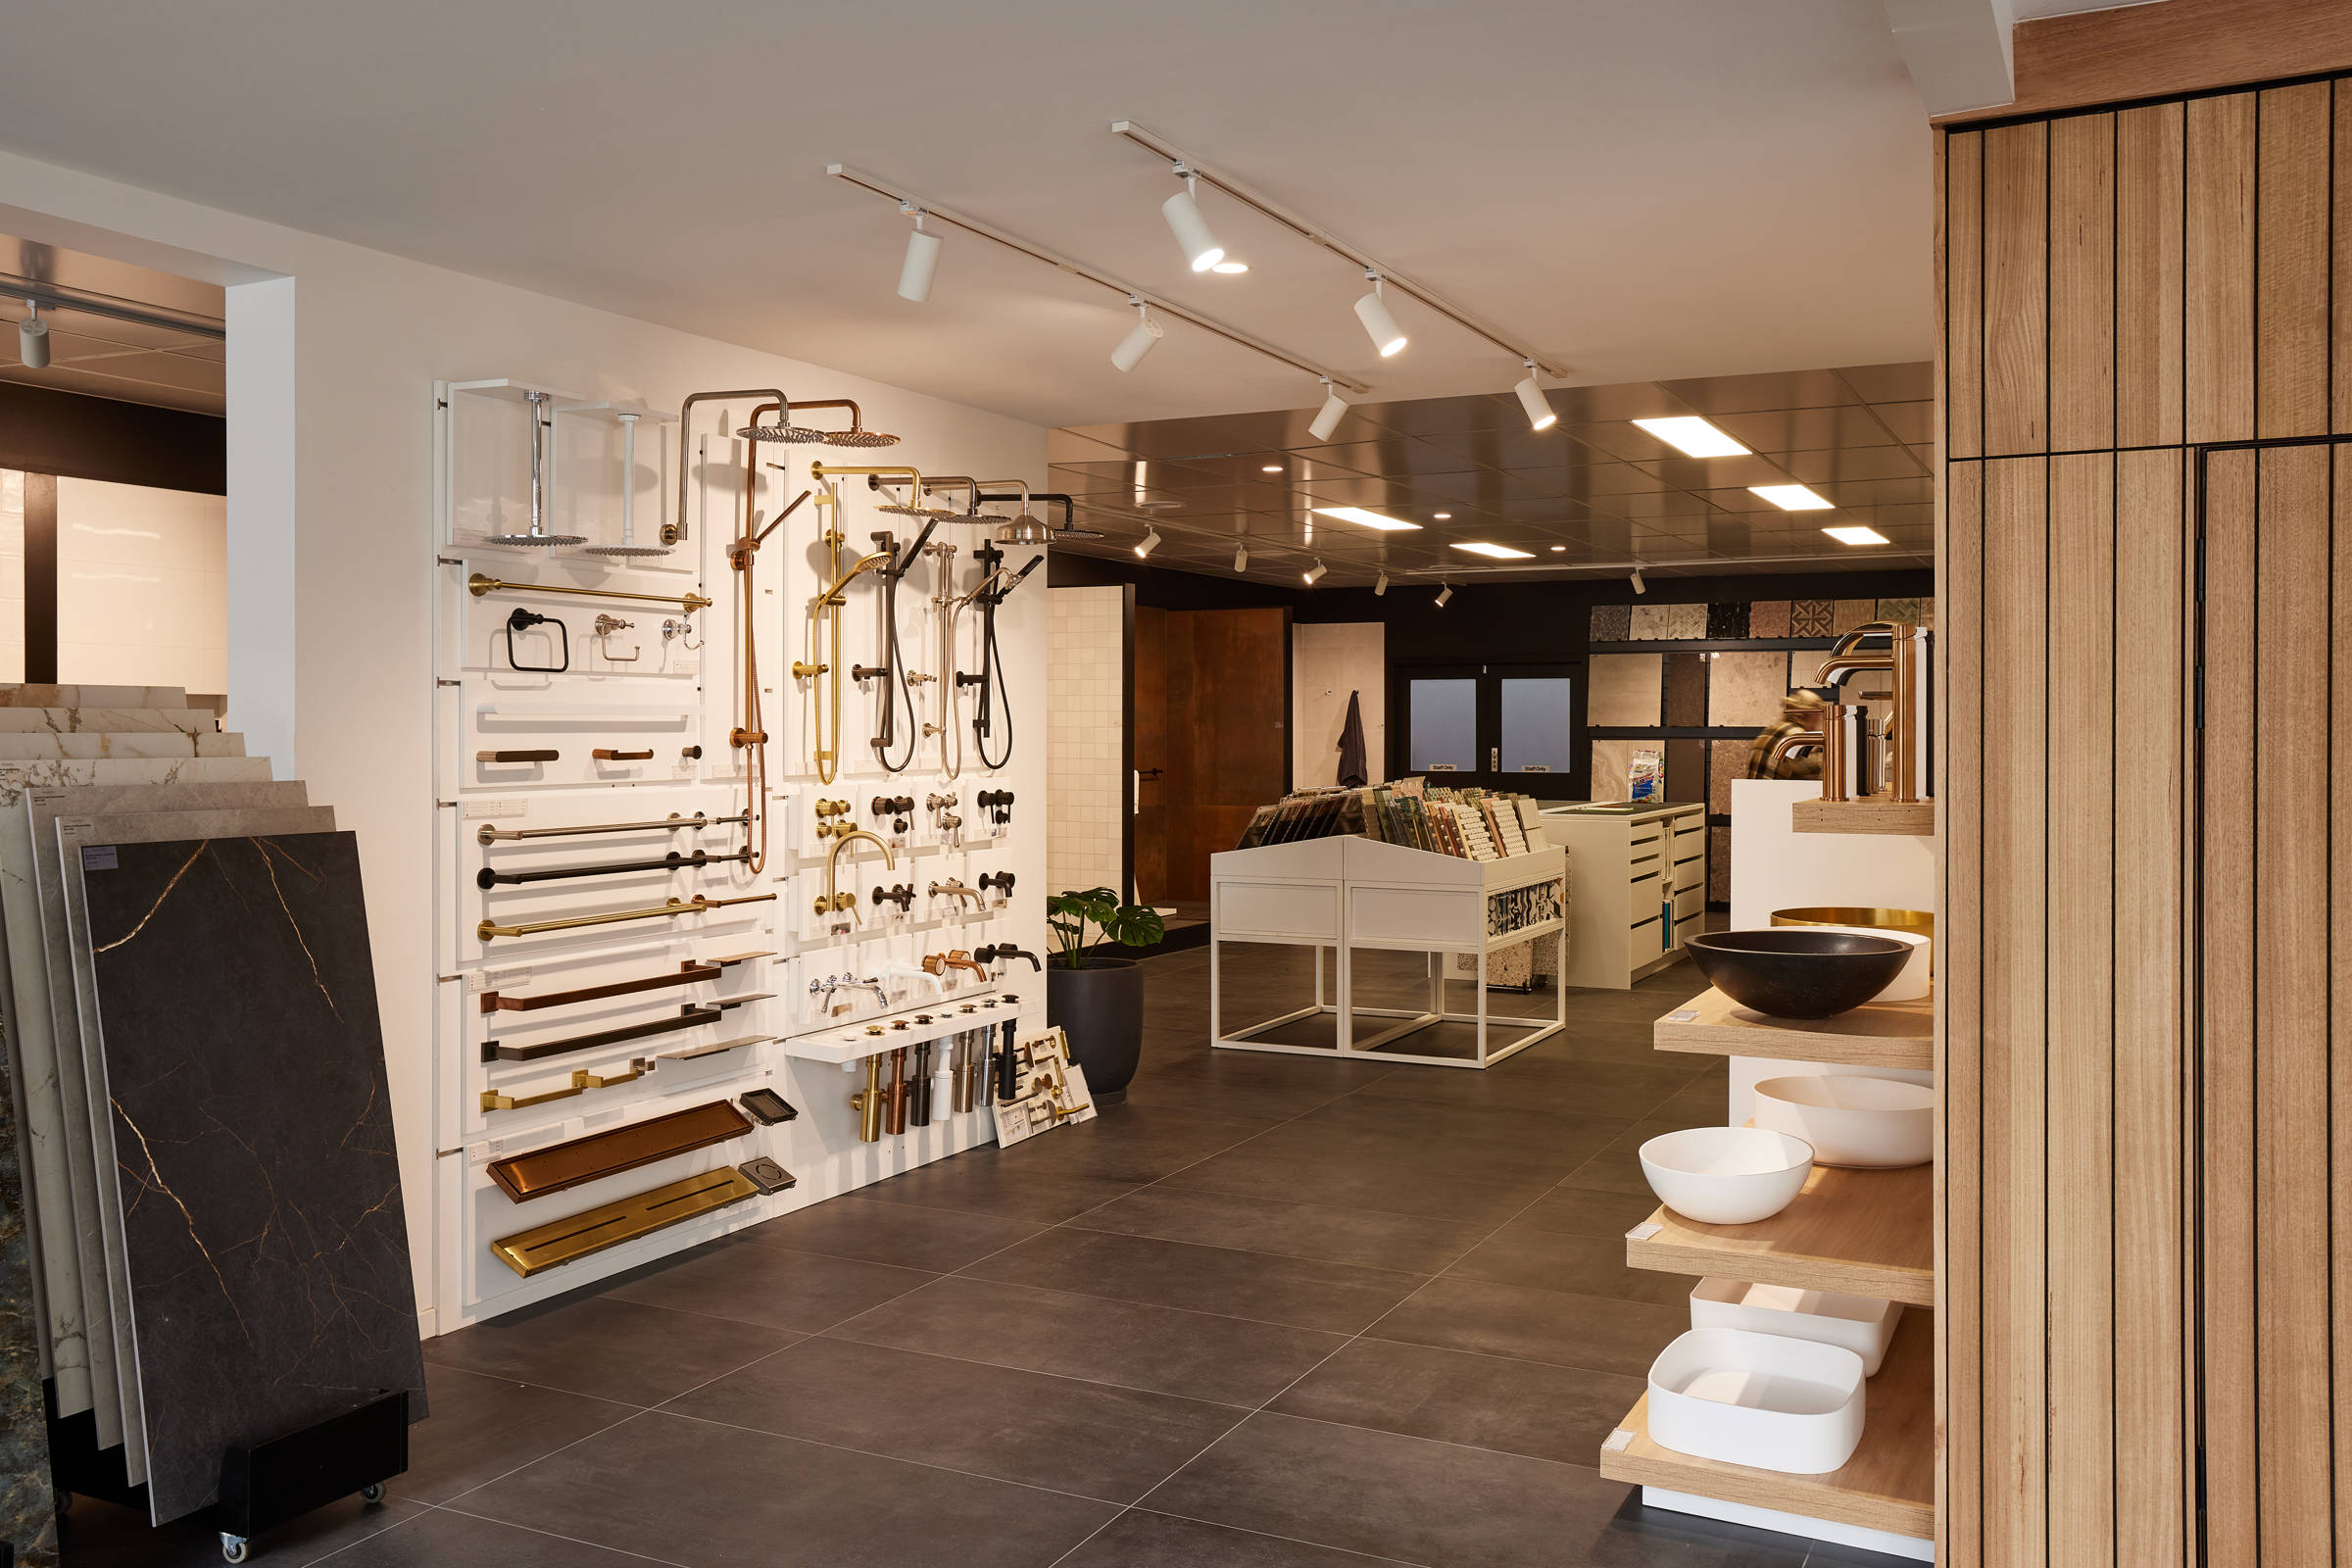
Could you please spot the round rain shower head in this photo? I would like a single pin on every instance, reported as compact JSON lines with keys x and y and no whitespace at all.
{"x":1023,"y":530}
{"x":800,"y":434}
{"x":618,"y":552}
{"x":536,"y":539}
{"x":1076,"y":532}
{"x":860,"y":438}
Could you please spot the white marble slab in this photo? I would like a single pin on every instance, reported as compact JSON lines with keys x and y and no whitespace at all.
{"x":80,"y":1052}
{"x":104,"y":721}
{"x":32,"y":1041}
{"x":45,"y":695}
{"x":95,"y":744}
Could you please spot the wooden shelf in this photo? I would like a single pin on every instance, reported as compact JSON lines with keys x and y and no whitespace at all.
{"x":1889,"y":1484}
{"x":1855,"y":1232}
{"x":1916,"y":820}
{"x":1888,"y":1034}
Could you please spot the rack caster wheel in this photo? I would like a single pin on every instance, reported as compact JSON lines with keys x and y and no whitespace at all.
{"x":233,"y":1549}
{"x":374,"y":1492}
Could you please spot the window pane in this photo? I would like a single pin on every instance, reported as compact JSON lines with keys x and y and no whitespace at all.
{"x":1443,"y":719}
{"x":1536,"y":725}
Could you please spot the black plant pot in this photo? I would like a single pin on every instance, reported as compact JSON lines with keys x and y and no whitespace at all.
{"x":1100,"y":1006}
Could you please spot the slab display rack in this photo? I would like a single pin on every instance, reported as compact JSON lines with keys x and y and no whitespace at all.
{"x":1353,"y":893}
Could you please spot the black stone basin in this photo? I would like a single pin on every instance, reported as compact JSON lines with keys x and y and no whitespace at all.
{"x":1795,"y":972}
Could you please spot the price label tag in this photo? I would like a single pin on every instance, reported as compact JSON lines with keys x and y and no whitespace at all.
{"x":1643,"y":1231}
{"x":1683,"y":1015}
{"x":475,"y":811}
{"x":1618,"y":1440}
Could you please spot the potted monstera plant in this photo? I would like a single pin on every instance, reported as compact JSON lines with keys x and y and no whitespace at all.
{"x":1098,"y":1001}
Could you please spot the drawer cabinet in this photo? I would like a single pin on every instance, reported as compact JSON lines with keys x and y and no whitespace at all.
{"x":1637,"y":888}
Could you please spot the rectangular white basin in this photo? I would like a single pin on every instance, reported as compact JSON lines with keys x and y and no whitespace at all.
{"x":1757,"y":1400}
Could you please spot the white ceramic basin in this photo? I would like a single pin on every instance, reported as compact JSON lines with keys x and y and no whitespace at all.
{"x":1758,"y":1400}
{"x":1856,"y":1323}
{"x":1851,"y":1119}
{"x":1726,"y":1175}
{"x":1914,"y":983}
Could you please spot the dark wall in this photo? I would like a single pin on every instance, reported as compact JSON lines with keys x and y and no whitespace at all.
{"x":42,"y":431}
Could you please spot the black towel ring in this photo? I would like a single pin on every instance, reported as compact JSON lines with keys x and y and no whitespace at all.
{"x":523,"y":620}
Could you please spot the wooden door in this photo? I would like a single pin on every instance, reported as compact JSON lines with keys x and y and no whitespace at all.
{"x":1225,"y":675}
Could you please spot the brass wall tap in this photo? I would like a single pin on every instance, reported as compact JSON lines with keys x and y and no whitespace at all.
{"x":955,"y":890}
{"x":833,"y":900}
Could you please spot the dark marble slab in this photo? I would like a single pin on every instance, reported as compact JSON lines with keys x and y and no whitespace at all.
{"x":267,"y":1248}
{"x":27,"y":1510}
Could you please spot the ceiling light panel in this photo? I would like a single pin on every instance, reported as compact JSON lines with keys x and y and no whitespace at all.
{"x":1856,"y":535}
{"x":1792,"y":496}
{"x":1364,"y":519}
{"x":1492,"y":552}
{"x":1693,"y":437}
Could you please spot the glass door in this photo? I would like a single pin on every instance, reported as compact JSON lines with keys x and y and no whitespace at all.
{"x":1511,"y":727}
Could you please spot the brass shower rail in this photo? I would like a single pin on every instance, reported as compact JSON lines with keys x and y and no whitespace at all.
{"x":825,"y":615}
{"x":698,"y":904}
{"x":479,"y":584}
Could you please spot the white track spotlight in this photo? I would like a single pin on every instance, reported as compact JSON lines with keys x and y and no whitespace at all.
{"x":1139,"y":342}
{"x":1640,"y":586}
{"x":1445,"y":591}
{"x":1327,"y":418}
{"x":1150,"y":542}
{"x":1373,"y":310}
{"x":1540,"y":415}
{"x":1241,"y":558}
{"x":1183,"y":212}
{"x":33,"y":338}
{"x":922,"y":258}
{"x":1314,"y":573}
{"x":1380,"y":584}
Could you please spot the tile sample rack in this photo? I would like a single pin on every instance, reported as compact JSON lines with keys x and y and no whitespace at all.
{"x":1638,"y":887}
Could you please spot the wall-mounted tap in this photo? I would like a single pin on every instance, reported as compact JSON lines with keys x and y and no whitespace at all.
{"x":997,"y":803}
{"x":899,"y":808}
{"x":914,"y":971}
{"x":833,"y":901}
{"x":997,"y":952}
{"x":955,"y":890}
{"x":936,"y":962}
{"x":873,"y":983}
{"x":900,"y":894}
{"x":1002,"y":881}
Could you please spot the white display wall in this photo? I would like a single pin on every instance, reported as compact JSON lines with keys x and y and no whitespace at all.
{"x":662,"y":695}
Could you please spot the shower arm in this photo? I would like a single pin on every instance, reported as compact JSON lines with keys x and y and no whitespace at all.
{"x":1069,"y":508}
{"x":832,"y":901}
{"x":674,"y":530}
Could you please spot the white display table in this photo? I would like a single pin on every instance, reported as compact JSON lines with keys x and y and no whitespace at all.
{"x":1347,"y":893}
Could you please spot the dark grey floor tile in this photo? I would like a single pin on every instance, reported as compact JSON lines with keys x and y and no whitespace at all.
{"x":482,"y":1427}
{"x":1615,"y":1169}
{"x":1254,"y":1173}
{"x":724,"y":1498}
{"x":1088,"y":1438}
{"x":991,"y":1181}
{"x":900,"y":1234}
{"x":1639,"y":1536}
{"x":1264,"y":1104}
{"x":1302,"y":1293}
{"x":1404,"y":1242}
{"x":1569,"y":1137}
{"x":1588,"y":1211}
{"x":1588,"y":1331}
{"x":1191,"y":1354}
{"x":1620,"y":1091}
{"x":1583,"y":1265}
{"x":100,"y":1535}
{"x":439,"y":1538}
{"x":1394,"y":1496}
{"x":605,"y":1349}
{"x":772,"y":1286}
{"x":1483,"y":1401}
{"x":1140,"y":1538}
{"x":1136,"y":1144}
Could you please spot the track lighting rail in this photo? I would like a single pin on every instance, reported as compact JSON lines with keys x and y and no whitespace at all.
{"x":1077,"y":268}
{"x":1308,"y":230}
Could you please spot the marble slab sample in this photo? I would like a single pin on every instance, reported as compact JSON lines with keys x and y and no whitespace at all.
{"x":50,"y":695}
{"x":1687,"y":693}
{"x":87,"y":744}
{"x":1746,"y":688}
{"x":1625,"y":691}
{"x":107,"y":720}
{"x":98,"y":1236}
{"x":244,"y":1060}
{"x":1768,"y":617}
{"x":34,"y":1100}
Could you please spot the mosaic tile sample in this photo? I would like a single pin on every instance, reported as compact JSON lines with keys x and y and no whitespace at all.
{"x":1686,"y":692}
{"x":1901,"y":612}
{"x":1746,"y":687}
{"x":1768,"y":617}
{"x":1650,"y":624}
{"x":82,"y":1112}
{"x":1851,"y":613}
{"x":35,"y":1102}
{"x":1726,"y":761}
{"x":1685,"y":623}
{"x":259,"y":1305}
{"x":1727,"y":622}
{"x":1811,"y":617}
{"x":1625,"y":691}
{"x":1612,"y":623}
{"x":1719,"y":865}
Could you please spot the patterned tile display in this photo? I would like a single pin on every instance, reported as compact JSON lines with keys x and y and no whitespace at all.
{"x":1650,"y":624}
{"x":1685,"y":621}
{"x":1612,"y":623}
{"x":1852,"y":613}
{"x":1746,"y":687}
{"x":1768,"y":617}
{"x":1727,"y":622}
{"x":1624,"y":691}
{"x":1726,"y":761}
{"x":1901,"y":612}
{"x":241,"y":1039}
{"x":1812,"y":617}
{"x":1686,"y":692}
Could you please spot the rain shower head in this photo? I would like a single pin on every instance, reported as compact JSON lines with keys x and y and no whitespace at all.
{"x":860,"y":438}
{"x":1069,"y":528}
{"x":628,"y":549}
{"x":618,"y":552}
{"x":779,"y":432}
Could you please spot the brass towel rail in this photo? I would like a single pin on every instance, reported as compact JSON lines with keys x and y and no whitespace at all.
{"x":577,"y":1236}
{"x":479,"y":584}
{"x":581,"y":1082}
{"x":697,"y":905}
{"x":688,"y":973}
{"x":558,"y":1167}
{"x":491,"y":835}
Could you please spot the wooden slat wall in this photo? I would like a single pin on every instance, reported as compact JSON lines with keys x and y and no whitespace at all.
{"x":2122,"y":289}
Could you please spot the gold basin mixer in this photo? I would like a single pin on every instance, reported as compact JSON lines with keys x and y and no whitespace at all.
{"x":834,"y":899}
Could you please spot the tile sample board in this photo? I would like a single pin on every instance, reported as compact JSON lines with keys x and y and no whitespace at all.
{"x":65,"y":1097}
{"x":1624,"y":690}
{"x":240,"y":1038}
{"x":34,"y":1098}
{"x":32,"y":746}
{"x":98,"y":1233}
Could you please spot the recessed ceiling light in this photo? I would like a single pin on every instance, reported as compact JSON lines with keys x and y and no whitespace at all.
{"x":1856,"y":535}
{"x":1558,"y":549}
{"x":1478,"y":547}
{"x":1442,"y":517}
{"x":1791,"y":497}
{"x":1693,"y":437}
{"x":1366,"y":519}
{"x":1230,"y":268}
{"x":1271,"y":467}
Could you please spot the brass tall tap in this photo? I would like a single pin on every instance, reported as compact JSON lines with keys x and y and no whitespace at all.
{"x":833,"y":900}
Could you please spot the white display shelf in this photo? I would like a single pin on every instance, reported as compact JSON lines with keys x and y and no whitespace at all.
{"x":1347,"y":893}
{"x":857,"y":1039}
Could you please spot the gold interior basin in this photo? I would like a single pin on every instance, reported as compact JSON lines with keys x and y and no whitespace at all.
{"x":1918,"y":923}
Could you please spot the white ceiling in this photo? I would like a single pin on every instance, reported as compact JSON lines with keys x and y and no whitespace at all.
{"x":1667,"y":189}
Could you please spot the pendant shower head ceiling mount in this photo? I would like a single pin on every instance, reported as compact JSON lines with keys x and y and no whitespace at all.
{"x":538,"y":534}
{"x":628,"y":549}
